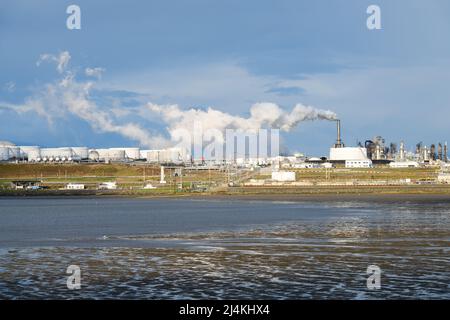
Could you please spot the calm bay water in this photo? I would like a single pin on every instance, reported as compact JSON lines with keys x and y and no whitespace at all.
{"x":223,"y":249}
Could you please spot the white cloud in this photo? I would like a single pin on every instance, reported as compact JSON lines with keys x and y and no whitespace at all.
{"x":62,"y":60}
{"x":94,"y":72}
{"x":68,"y":96}
{"x":362,"y":97}
{"x":10,"y":86}
{"x":226,"y":86}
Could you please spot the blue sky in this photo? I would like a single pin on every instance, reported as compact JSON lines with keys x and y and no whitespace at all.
{"x":229,"y":55}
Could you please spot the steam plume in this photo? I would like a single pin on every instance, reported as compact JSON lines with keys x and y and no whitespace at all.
{"x":262,"y":115}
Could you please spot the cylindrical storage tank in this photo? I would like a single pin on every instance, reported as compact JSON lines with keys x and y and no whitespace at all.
{"x":45,"y":153}
{"x":50,"y":154}
{"x":177,"y":155}
{"x":171,"y":155}
{"x":81,"y":153}
{"x":14,"y":152}
{"x":4,"y":153}
{"x":9,"y":150}
{"x":31,"y":153}
{"x":164,"y":156}
{"x":65,"y":154}
{"x":152,"y":156}
{"x":116,"y":154}
{"x":102,"y":154}
{"x":93,"y":155}
{"x":143,"y":154}
{"x":130,"y":153}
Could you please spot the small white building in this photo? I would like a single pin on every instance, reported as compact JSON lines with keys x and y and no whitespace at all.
{"x":75,"y":186}
{"x":404,"y":164}
{"x":108,"y":185}
{"x":367,"y":163}
{"x":327,"y":165}
{"x":283,"y":176}
{"x":306,"y":165}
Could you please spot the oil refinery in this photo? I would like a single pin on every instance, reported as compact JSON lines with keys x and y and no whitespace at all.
{"x":374,"y":152}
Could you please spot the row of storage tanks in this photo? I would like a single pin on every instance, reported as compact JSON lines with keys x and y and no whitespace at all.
{"x":38,"y":154}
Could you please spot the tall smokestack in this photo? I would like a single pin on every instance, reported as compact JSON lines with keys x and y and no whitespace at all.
{"x":445,"y":152}
{"x":402,"y":151}
{"x":338,"y":143}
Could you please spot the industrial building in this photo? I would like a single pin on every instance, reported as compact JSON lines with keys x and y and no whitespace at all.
{"x":340,"y":153}
{"x":375,"y":152}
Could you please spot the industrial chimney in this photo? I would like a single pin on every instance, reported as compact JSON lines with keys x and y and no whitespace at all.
{"x":445,"y":152}
{"x":338,"y":143}
{"x":402,"y":151}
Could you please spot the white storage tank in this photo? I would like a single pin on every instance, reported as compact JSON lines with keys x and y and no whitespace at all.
{"x":65,"y":154}
{"x":130,"y":153}
{"x":143,"y":154}
{"x":171,"y":155}
{"x":56,"y":154}
{"x":31,"y":153}
{"x":48,"y":153}
{"x":4,"y":153}
{"x":93,"y":155}
{"x":80,"y":153}
{"x":111,"y":154}
{"x":116,"y":154}
{"x":14,"y":152}
{"x":165,"y":156}
{"x":102,"y":154}
{"x":152,"y":156}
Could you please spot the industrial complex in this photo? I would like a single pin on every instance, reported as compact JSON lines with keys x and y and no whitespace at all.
{"x":373,"y":152}
{"x":364,"y":168}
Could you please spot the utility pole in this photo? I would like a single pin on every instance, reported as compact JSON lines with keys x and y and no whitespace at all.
{"x":144,"y":175}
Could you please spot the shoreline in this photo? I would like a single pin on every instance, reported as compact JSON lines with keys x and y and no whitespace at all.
{"x":422,"y":197}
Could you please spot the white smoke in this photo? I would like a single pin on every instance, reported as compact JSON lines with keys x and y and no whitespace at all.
{"x":262,"y":115}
